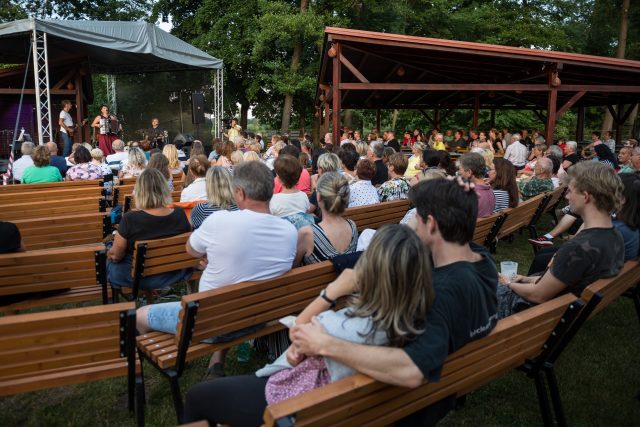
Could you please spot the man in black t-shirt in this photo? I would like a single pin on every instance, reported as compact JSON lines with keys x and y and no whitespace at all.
{"x":596,"y":252}
{"x":464,"y":280}
{"x":458,"y":141}
{"x":374,"y":153}
{"x":391,"y":141}
{"x":571,"y":156}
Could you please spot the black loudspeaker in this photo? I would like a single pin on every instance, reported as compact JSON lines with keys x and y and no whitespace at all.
{"x":197,"y":108}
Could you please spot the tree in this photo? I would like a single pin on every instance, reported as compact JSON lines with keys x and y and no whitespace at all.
{"x":113,"y":10}
{"x":10,"y":10}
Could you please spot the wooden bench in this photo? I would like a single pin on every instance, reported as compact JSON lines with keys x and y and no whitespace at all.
{"x":51,"y":194}
{"x":487,"y":230}
{"x":158,"y":256}
{"x":64,"y":230}
{"x":360,"y":400}
{"x":525,"y":215}
{"x":56,"y":348}
{"x":50,"y":208}
{"x":377,"y":215}
{"x":79,"y":269}
{"x":230,"y":309}
{"x":129,"y":202}
{"x":21,"y":188}
{"x":554,"y":201}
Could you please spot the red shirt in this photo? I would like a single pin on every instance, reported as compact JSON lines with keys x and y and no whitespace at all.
{"x":304,"y":183}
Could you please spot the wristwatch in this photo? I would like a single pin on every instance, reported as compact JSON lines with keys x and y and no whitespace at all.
{"x":323,"y":295}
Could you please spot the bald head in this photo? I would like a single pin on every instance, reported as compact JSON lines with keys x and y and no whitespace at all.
{"x":52,"y":147}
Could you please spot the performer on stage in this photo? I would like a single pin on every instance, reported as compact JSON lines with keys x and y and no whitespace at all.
{"x":156,"y":134}
{"x":107,"y":127}
{"x":234,"y":130}
{"x":66,"y":127}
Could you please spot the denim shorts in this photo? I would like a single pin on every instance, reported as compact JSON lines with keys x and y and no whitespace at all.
{"x":164,"y":318}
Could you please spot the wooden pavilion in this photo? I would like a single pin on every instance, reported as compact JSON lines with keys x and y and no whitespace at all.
{"x":370,"y":70}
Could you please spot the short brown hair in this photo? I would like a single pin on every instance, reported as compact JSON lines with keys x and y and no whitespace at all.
{"x":600,"y":181}
{"x":41,"y":156}
{"x":288,"y":170}
{"x":365,"y":169}
{"x":399,"y":162}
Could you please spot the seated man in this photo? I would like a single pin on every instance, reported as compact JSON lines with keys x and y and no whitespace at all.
{"x":117,"y":159}
{"x":464,"y":280}
{"x":242,"y":245}
{"x":540,"y":182}
{"x":594,"y":253}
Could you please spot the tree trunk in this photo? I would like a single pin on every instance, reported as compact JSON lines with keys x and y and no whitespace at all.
{"x":622,"y":47}
{"x":301,"y":123}
{"x":394,"y":119}
{"x":348,"y":119}
{"x":244,"y":115}
{"x":295,"y":64}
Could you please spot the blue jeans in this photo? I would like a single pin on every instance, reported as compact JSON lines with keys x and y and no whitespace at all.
{"x":119,"y":275}
{"x":68,"y":142}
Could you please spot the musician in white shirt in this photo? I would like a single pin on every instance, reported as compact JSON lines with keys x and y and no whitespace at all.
{"x":66,"y":126}
{"x":516,"y":152}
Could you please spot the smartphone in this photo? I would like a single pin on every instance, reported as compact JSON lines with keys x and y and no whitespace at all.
{"x":288,"y":321}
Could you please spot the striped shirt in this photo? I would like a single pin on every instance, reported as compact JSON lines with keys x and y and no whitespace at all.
{"x":203,"y":210}
{"x":322,"y":247}
{"x":502,"y":200}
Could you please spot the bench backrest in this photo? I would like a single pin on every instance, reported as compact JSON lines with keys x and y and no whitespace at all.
{"x":55,"y":348}
{"x":231,"y":308}
{"x":487,"y":228}
{"x":21,"y":188}
{"x":64,"y":230}
{"x":523,"y":214}
{"x":52,"y":194}
{"x":53,"y":269}
{"x":129,"y":202}
{"x":608,"y":290}
{"x":49,"y":208}
{"x":375,"y":216}
{"x":360,"y":400}
{"x":556,"y":198}
{"x":158,"y":256}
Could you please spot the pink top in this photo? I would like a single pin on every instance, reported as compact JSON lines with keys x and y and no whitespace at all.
{"x":304,"y":183}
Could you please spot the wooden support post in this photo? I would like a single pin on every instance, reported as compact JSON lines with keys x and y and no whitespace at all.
{"x":619,"y":122}
{"x":336,"y":93}
{"x":476,"y":111}
{"x":378,"y":120}
{"x":580,"y":125}
{"x":82,"y":133}
{"x":325,"y":127}
{"x":493,"y":118}
{"x":551,"y":115}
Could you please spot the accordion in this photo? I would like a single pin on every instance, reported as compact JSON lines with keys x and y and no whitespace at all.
{"x":109,"y":125}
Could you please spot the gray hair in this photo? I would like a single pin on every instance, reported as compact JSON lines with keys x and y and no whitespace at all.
{"x":573,"y":145}
{"x":117,"y":145}
{"x":136,"y":157}
{"x":255,"y":179}
{"x":27,"y":148}
{"x":546,"y":164}
{"x":237,"y":140}
{"x":439,"y":137}
{"x":636,"y":151}
{"x":540,"y":140}
{"x":378,"y":148}
{"x":515,"y":137}
{"x":555,"y":151}
{"x":329,"y":162}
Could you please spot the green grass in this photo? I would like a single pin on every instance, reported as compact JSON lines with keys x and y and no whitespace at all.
{"x":598,"y":375}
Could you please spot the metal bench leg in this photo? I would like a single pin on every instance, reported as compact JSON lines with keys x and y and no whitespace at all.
{"x":139,"y":411}
{"x":555,"y":396}
{"x":175,"y":393}
{"x":543,"y":399}
{"x":635,"y":296}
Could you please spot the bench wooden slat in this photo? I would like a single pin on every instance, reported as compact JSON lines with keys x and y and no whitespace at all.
{"x":612,"y":288}
{"x":521,"y":215}
{"x":21,"y":188}
{"x":377,"y":215}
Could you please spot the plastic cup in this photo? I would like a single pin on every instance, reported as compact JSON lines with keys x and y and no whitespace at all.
{"x":509,"y":269}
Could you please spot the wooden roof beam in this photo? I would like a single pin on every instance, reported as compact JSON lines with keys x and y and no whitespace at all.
{"x":487,"y":87}
{"x":353,"y":69}
{"x":567,"y":105}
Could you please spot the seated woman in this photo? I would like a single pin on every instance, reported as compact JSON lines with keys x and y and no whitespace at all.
{"x":41,"y":171}
{"x":84,"y":169}
{"x":175,"y":165}
{"x":151,"y":220}
{"x":393,"y":296}
{"x":197,"y":189}
{"x":219,"y":196}
{"x":334,"y":235}
{"x":160,"y":162}
{"x":397,"y":187}
{"x":290,"y":203}
{"x":362,"y":191}
{"x":413,"y":166}
{"x":136,"y":162}
{"x":502,"y":178}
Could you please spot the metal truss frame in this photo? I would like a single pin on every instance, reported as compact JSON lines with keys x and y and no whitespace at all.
{"x":218,"y":104}
{"x":41,"y":80}
{"x":112,"y":94}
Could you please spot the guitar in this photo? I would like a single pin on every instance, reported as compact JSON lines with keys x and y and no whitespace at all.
{"x":77,"y":126}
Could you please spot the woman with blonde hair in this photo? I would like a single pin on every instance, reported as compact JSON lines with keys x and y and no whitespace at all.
{"x":219,"y":196}
{"x":334,"y":235}
{"x":237,"y":157}
{"x":171,"y":153}
{"x":136,"y":162}
{"x":150,"y":220}
{"x":413,"y":167}
{"x":251,"y":156}
{"x":393,"y":296}
{"x":197,"y":189}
